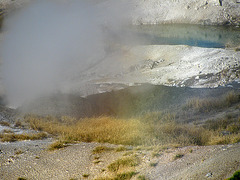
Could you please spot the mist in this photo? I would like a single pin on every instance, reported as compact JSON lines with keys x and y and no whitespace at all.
{"x":49,"y":42}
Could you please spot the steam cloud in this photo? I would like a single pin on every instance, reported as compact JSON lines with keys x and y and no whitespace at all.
{"x":51,"y":40}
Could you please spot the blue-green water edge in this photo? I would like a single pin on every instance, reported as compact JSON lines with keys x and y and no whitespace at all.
{"x":192,"y":35}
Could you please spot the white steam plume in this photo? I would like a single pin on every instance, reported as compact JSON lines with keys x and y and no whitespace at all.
{"x":51,"y":40}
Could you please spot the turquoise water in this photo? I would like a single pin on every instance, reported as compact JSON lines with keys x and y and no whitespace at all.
{"x":192,"y":35}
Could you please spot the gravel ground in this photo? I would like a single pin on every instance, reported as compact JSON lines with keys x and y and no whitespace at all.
{"x":35,"y":162}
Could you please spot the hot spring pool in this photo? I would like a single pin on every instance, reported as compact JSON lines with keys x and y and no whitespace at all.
{"x":192,"y":35}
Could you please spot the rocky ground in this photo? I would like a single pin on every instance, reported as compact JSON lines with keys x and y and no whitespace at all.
{"x":32,"y":160}
{"x":207,"y":12}
{"x":174,"y":66}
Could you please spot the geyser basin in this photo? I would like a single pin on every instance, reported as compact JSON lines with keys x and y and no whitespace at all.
{"x":192,"y":35}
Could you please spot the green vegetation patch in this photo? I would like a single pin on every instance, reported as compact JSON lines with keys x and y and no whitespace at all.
{"x":236,"y":176}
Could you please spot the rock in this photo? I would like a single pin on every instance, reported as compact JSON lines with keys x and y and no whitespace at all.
{"x":209,"y":175}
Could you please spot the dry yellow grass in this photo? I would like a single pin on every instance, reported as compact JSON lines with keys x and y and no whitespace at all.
{"x":123,"y":164}
{"x":56,"y":145}
{"x":4,"y":123}
{"x":146,"y":131}
{"x":11,"y":137}
{"x":206,"y":105}
{"x":102,"y":129}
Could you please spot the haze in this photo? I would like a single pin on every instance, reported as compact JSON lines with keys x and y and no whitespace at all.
{"x":47,"y":43}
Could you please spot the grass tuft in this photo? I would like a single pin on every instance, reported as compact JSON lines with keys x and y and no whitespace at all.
{"x":18,"y":152}
{"x":85,"y":175}
{"x":125,"y":175}
{"x":178,"y":156}
{"x":11,"y":137}
{"x":4,"y":123}
{"x":120,"y":176}
{"x":123,"y":162}
{"x":153,"y":164}
{"x":121,"y":148}
{"x":57,"y":145}
{"x":18,"y":124}
{"x":141,"y":177}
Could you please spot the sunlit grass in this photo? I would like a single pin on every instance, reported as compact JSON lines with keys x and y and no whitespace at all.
{"x":119,"y":176}
{"x":57,"y":145}
{"x":11,"y":137}
{"x":125,"y":162}
{"x":102,"y":129}
{"x":149,"y":129}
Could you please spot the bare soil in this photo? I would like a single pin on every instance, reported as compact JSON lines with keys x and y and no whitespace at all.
{"x":75,"y":161}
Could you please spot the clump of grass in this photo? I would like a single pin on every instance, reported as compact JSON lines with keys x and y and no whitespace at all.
{"x":141,"y":177}
{"x":229,"y":123}
{"x":11,"y":137}
{"x":97,"y":161}
{"x":96,"y":157}
{"x":155,"y":154}
{"x":7,"y":131}
{"x":120,"y":176}
{"x":178,"y":156}
{"x":120,"y":148}
{"x":101,"y":149}
{"x":152,"y":164}
{"x":4,"y":123}
{"x":85,"y":175}
{"x":125,"y":175}
{"x":18,"y":152}
{"x":57,"y":145}
{"x":123,"y":162}
{"x":18,"y":124}
{"x":221,"y":139}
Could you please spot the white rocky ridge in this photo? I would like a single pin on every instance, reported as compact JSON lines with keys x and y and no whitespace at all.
{"x":171,"y":65}
{"x":207,"y":12}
